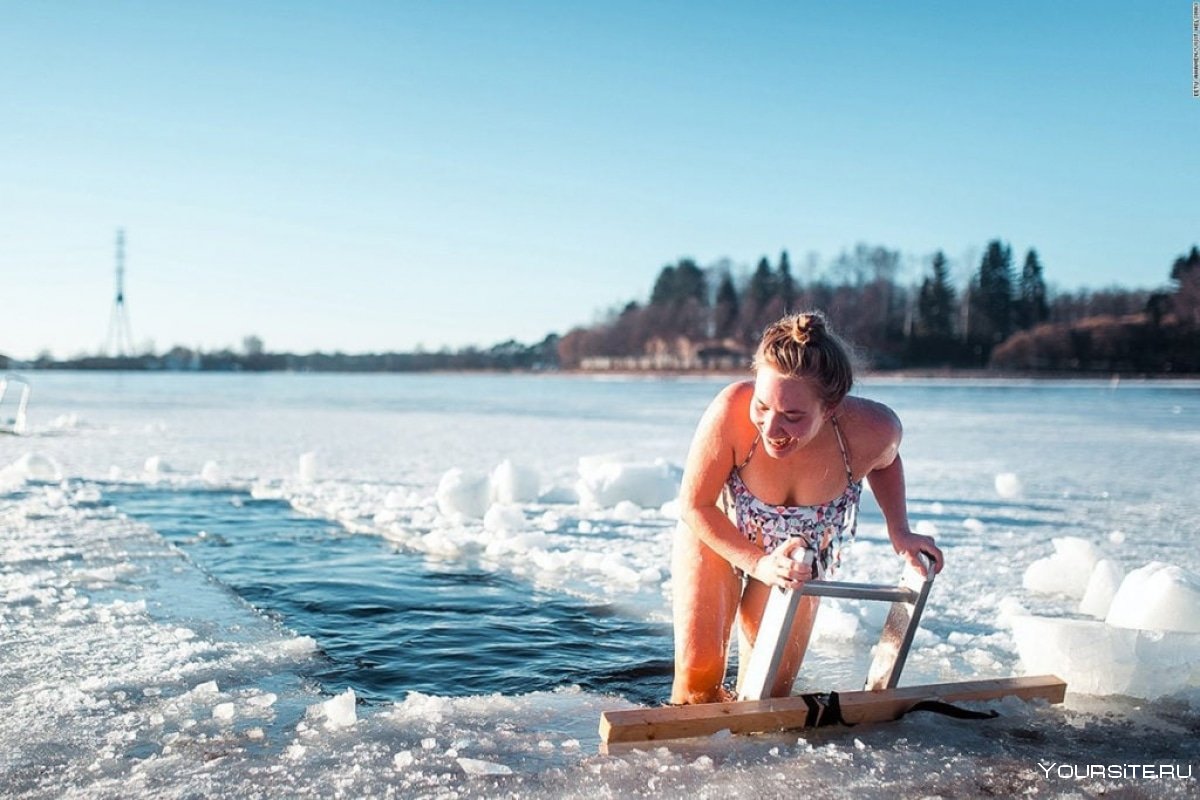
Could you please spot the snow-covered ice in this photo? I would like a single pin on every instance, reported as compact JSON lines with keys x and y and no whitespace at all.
{"x":127,"y":670}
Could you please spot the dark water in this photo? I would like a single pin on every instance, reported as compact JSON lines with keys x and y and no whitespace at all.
{"x":389,"y":622}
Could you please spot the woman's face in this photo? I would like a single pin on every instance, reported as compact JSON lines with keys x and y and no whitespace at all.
{"x":787,"y":411}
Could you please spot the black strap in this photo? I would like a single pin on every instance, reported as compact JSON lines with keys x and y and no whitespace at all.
{"x":950,"y":710}
{"x":833,"y":711}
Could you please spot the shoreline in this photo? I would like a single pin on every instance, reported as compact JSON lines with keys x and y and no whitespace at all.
{"x":914,"y":373}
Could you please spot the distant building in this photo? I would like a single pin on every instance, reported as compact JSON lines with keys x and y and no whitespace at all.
{"x":678,"y":354}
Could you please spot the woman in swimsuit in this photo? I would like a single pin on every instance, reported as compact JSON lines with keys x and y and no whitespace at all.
{"x":767,"y":457}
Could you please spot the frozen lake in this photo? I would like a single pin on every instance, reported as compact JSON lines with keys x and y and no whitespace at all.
{"x":195,"y":568}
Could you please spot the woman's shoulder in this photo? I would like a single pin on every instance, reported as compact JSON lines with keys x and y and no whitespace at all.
{"x":729,"y":411}
{"x":869,"y":414}
{"x":873,"y":429}
{"x":733,"y":399}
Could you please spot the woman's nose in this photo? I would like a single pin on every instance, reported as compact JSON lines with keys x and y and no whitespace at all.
{"x":772,"y":426}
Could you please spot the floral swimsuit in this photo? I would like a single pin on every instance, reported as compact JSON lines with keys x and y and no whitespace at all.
{"x":821,"y":526}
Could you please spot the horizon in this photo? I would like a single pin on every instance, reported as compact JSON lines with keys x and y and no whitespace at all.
{"x":371,"y":177}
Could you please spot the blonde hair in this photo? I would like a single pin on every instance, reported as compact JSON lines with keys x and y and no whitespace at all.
{"x":802,"y":346}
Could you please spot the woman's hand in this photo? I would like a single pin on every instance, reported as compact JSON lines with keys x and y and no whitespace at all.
{"x":780,"y":567}
{"x":912,"y":545}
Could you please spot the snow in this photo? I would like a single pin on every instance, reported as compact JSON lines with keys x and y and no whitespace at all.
{"x":606,"y":481}
{"x":1008,"y":485}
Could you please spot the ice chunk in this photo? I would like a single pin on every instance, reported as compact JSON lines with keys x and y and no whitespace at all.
{"x":155,"y":467}
{"x":605,"y":482}
{"x":1096,"y":658}
{"x":462,"y":493}
{"x":299,"y":646}
{"x":514,"y":484}
{"x":223,"y":712}
{"x":1159,"y":597}
{"x":1066,"y":572}
{"x":339,"y":712}
{"x":1102,"y":586}
{"x":32,"y":467}
{"x":1008,"y":485}
{"x":1008,"y":608}
{"x":403,"y":759}
{"x":559,"y":495}
{"x":974,"y":525}
{"x":474,"y":766}
{"x":627,"y":511}
{"x":211,"y":473}
{"x":306,"y":467}
{"x":263,"y":700}
{"x":503,"y":518}
{"x":835,"y":624}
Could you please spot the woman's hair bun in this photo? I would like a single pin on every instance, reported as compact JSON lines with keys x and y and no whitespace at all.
{"x":801,"y":345}
{"x":807,"y":328}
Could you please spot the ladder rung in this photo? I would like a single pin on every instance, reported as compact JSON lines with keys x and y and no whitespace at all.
{"x":858,"y":591}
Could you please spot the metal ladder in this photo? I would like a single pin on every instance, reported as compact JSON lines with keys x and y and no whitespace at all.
{"x":15,"y":424}
{"x":907,"y":599}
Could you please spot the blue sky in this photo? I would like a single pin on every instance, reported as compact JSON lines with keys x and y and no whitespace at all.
{"x":377,"y":175}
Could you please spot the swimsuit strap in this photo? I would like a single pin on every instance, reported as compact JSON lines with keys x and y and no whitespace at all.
{"x":842,"y":444}
{"x":750,"y":455}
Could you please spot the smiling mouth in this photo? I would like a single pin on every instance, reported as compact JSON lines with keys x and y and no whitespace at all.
{"x":779,"y":444}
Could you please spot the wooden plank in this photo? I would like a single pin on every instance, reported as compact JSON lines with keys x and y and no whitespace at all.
{"x":887,"y":704}
{"x":801,"y":711}
{"x":705,"y":719}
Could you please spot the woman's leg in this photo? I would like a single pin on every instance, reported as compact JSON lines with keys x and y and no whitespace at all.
{"x":705,"y":591}
{"x":754,"y":602}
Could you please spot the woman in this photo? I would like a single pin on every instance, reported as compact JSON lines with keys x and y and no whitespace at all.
{"x":767,"y":457}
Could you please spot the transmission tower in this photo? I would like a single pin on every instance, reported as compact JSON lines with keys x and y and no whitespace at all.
{"x":120,"y":334}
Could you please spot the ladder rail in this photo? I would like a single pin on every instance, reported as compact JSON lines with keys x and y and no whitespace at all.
{"x":908,"y":603}
{"x":17,"y":424}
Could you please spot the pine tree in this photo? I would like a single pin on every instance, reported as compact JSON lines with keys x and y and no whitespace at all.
{"x":992,"y":296}
{"x":1032,"y":307}
{"x":664,"y":287}
{"x":726,"y":307}
{"x":690,"y":283}
{"x":676,"y":284}
{"x":787,"y":284}
{"x":1186,"y":301}
{"x":762,"y":285}
{"x":935,"y":304}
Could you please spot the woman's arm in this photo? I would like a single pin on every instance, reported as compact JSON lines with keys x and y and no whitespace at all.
{"x":710,"y":461}
{"x":887,"y":484}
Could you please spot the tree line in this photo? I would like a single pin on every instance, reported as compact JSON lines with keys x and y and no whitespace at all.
{"x":711,"y":317}
{"x":1001,"y":317}
{"x":505,"y":356}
